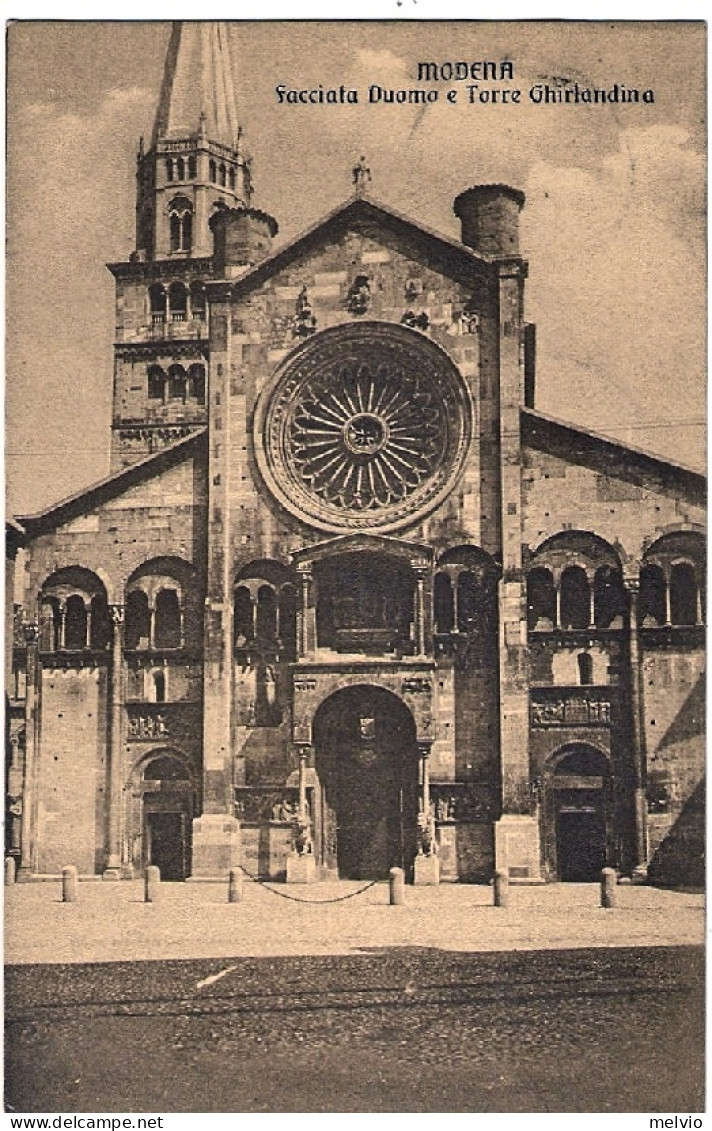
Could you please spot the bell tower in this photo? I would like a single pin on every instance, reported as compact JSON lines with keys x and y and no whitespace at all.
{"x":197,"y":156}
{"x":195,"y":166}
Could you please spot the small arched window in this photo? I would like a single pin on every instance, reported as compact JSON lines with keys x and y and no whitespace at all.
{"x":156,"y":383}
{"x":137,"y":631}
{"x":180,"y":169}
{"x":683,"y":594}
{"x":169,"y":169}
{"x":608,"y":597}
{"x":243,"y":616}
{"x":100,"y":625}
{"x":223,"y":175}
{"x":50,"y":625}
{"x":231,"y":176}
{"x":178,"y":383}
{"x":266,"y":615}
{"x":585,"y":667}
{"x":167,"y":620}
{"x":212,"y":166}
{"x":466,"y":601}
{"x":75,"y":624}
{"x":192,"y":167}
{"x":157,"y":300}
{"x":175,"y":232}
{"x":159,"y":687}
{"x":443,"y":605}
{"x":180,"y":221}
{"x":541,"y":600}
{"x":187,"y":232}
{"x":178,"y":299}
{"x":196,"y":377}
{"x":652,"y":596}
{"x":575,"y":598}
{"x":197,"y":301}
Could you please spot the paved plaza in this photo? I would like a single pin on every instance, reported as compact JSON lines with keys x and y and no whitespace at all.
{"x":111,"y":922}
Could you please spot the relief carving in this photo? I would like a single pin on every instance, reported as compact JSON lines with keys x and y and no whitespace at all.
{"x":571,"y":710}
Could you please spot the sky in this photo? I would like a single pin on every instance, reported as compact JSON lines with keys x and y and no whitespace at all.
{"x":613,"y":226}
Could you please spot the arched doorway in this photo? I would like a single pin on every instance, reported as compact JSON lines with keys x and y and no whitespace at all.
{"x":367,"y":766}
{"x":578,"y":813}
{"x":167,"y":810}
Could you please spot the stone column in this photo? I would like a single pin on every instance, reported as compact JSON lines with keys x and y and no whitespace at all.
{"x":592,"y":604}
{"x":305,"y":602}
{"x":668,"y":613}
{"x":28,"y":854}
{"x":557,"y":614}
{"x":116,"y":706}
{"x":301,"y":862}
{"x":420,"y":575}
{"x":14,"y":813}
{"x":424,"y":752}
{"x":454,"y":579}
{"x":303,"y":752}
{"x":427,"y":865}
{"x":517,"y":830}
{"x":637,"y":707}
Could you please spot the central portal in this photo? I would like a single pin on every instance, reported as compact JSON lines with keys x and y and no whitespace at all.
{"x":367,"y":765}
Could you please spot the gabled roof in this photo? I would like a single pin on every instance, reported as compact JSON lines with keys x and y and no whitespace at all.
{"x":612,"y":457}
{"x":361,"y":541}
{"x":114,"y":485}
{"x":445,"y":253}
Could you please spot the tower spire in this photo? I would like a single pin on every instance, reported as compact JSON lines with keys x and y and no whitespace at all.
{"x":197,"y":85}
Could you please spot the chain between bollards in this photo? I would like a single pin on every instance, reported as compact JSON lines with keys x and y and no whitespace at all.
{"x":609,"y":879}
{"x":69,"y":884}
{"x":151,"y":884}
{"x":396,"y":881}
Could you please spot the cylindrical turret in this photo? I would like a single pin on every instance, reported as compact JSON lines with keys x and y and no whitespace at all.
{"x":241,"y":237}
{"x":489,"y":215}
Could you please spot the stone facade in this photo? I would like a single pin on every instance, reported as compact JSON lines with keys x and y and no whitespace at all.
{"x":347,"y":596}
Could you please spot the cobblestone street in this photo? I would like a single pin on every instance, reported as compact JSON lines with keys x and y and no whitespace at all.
{"x":444,"y":1004}
{"x":397,"y":1029}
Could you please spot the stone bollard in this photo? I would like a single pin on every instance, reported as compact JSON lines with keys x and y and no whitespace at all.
{"x":501,"y":889}
{"x":10,"y":868}
{"x":397,"y":887}
{"x":151,"y":884}
{"x":608,"y":887}
{"x":69,"y":884}
{"x":234,"y":890}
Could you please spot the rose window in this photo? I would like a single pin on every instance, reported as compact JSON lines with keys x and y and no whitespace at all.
{"x":366,"y":426}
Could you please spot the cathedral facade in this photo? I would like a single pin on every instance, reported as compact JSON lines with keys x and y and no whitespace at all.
{"x":347,"y":600}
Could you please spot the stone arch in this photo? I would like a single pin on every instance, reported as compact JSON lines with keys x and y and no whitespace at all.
{"x":577,"y":812}
{"x":575,"y":547}
{"x":260,"y":610}
{"x":163,"y":801}
{"x":166,"y":573}
{"x":674,"y":570}
{"x":73,"y":610}
{"x":183,"y":760}
{"x":367,"y":773}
